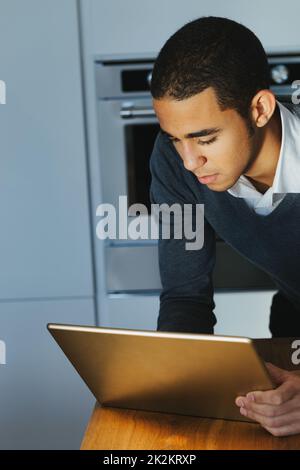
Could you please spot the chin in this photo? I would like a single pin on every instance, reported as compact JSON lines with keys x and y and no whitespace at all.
{"x":219,"y":187}
{"x":222,"y":183}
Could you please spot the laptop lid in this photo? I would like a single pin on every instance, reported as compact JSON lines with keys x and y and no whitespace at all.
{"x":184,"y":373}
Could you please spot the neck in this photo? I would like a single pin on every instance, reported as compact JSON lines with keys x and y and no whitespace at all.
{"x":262,"y":171}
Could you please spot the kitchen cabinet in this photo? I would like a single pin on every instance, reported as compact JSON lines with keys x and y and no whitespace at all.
{"x":142,"y":27}
{"x":243,"y":313}
{"x":45,"y":246}
{"x":44,"y":402}
{"x":46,"y":272}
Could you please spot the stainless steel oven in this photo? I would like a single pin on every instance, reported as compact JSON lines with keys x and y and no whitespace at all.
{"x":127,"y":128}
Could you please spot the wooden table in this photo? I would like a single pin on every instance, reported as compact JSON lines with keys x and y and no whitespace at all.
{"x":119,"y":429}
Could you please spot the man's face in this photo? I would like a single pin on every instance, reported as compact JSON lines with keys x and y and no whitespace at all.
{"x":223,"y":146}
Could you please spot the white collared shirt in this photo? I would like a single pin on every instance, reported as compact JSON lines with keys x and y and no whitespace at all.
{"x":287,"y":175}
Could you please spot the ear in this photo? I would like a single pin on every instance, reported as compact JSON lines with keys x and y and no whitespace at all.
{"x":263,"y":106}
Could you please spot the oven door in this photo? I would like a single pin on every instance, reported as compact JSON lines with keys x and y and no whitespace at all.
{"x":127,"y":131}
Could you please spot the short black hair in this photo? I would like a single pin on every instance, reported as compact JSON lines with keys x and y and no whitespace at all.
{"x":212,"y":52}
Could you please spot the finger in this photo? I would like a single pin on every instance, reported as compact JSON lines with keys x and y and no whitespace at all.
{"x":271,"y":410}
{"x":273,"y":422}
{"x":282,"y":431}
{"x":277,"y":397}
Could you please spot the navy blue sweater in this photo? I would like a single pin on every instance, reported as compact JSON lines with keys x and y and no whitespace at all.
{"x":271,"y":242}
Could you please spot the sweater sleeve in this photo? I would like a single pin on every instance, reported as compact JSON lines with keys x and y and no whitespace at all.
{"x":186,"y":299}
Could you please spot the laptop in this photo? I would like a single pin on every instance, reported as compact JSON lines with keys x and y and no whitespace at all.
{"x":182,"y":373}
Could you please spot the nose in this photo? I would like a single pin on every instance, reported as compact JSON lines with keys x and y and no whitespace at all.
{"x":191,"y":158}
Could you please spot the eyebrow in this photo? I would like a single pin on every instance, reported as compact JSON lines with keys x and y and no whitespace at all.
{"x":202,"y":133}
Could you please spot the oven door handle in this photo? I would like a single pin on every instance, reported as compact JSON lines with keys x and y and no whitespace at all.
{"x":126,"y":113}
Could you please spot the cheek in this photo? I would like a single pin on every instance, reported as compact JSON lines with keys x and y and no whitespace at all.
{"x":236,"y":151}
{"x":223,"y":153}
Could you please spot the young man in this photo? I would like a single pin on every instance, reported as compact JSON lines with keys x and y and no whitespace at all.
{"x":227,"y":143}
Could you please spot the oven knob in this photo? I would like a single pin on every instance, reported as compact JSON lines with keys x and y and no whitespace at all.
{"x":149,"y":78}
{"x":279,"y":74}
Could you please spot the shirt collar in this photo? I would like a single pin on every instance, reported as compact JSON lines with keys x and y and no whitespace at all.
{"x":287,"y":175}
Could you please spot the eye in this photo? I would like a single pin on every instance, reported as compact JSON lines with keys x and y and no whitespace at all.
{"x":200,"y":142}
{"x":207,"y":142}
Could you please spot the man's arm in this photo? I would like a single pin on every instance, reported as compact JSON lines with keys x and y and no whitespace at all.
{"x":186,"y":300}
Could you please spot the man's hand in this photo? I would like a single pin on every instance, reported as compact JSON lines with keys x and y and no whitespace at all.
{"x":278,"y":410}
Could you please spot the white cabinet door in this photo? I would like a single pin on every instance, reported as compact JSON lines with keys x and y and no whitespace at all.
{"x":140,"y":27}
{"x":44,"y":404}
{"x":45,"y":247}
{"x":243,"y":313}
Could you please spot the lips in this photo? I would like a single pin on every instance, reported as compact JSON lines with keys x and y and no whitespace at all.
{"x":208,"y":178}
